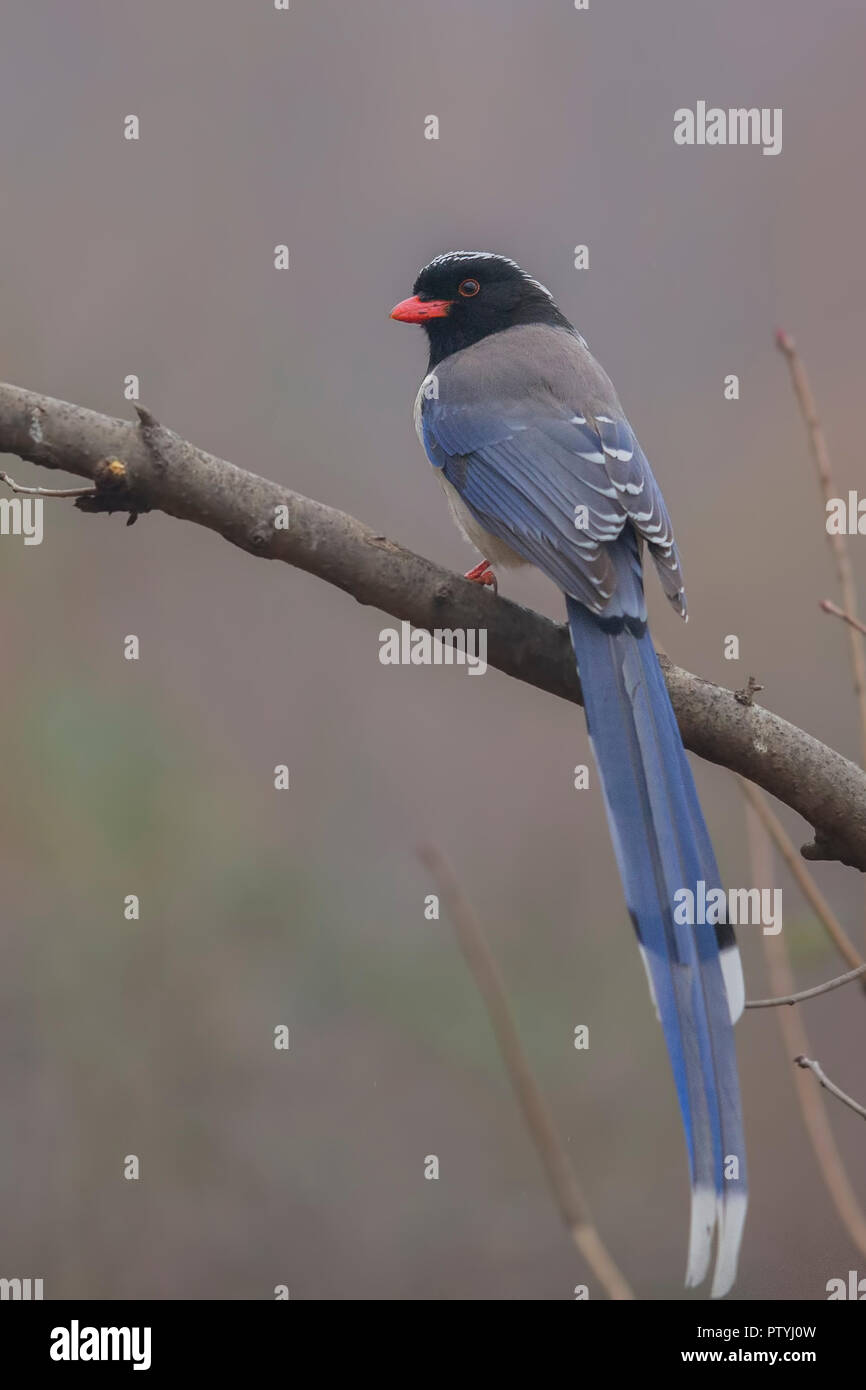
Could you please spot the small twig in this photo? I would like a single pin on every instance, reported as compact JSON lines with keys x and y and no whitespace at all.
{"x":747,"y":695}
{"x":829,"y":1086}
{"x":807,"y":993}
{"x":838,"y":544}
{"x":807,"y":884}
{"x":542,"y":1129}
{"x":830,"y":607}
{"x":795,"y":1041}
{"x":45,"y":491}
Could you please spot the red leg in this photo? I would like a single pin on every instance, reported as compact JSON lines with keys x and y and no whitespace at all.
{"x":483,"y":574}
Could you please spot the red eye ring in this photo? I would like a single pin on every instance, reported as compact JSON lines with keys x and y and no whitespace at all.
{"x":468,"y":288}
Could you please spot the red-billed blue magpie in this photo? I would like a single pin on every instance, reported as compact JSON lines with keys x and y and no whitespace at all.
{"x":541,"y":466}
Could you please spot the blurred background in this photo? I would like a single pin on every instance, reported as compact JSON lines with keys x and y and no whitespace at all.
{"x":155,"y":777}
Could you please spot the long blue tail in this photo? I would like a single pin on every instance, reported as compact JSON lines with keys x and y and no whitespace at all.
{"x":662,"y":846}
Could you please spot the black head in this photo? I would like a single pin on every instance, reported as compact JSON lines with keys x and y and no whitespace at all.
{"x":464,"y":296}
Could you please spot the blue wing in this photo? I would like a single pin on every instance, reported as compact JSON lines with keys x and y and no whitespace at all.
{"x":559,"y":486}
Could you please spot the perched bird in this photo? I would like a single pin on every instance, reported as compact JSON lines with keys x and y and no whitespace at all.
{"x":541,"y":466}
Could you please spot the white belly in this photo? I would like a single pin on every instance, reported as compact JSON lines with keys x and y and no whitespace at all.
{"x":492,"y":548}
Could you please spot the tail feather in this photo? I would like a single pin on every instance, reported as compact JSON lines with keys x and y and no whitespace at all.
{"x":662,"y":845}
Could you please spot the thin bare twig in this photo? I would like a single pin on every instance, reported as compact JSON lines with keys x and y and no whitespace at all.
{"x":837,"y":612}
{"x":809,"y":888}
{"x":539,"y":1121}
{"x":807,"y":993}
{"x":45,"y":491}
{"x":838,"y":544}
{"x":796,"y":1043}
{"x":829,"y":1086}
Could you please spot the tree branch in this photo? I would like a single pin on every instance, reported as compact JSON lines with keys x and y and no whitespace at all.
{"x":838,"y":544}
{"x":809,"y":888}
{"x":143,"y":467}
{"x":828,"y":1085}
{"x":539,"y":1121}
{"x":801,"y":994}
{"x":795,"y":1040}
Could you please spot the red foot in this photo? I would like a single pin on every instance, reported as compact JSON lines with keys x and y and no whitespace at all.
{"x":483,"y":574}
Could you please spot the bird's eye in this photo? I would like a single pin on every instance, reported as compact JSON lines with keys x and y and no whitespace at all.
{"x":468,"y":288}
